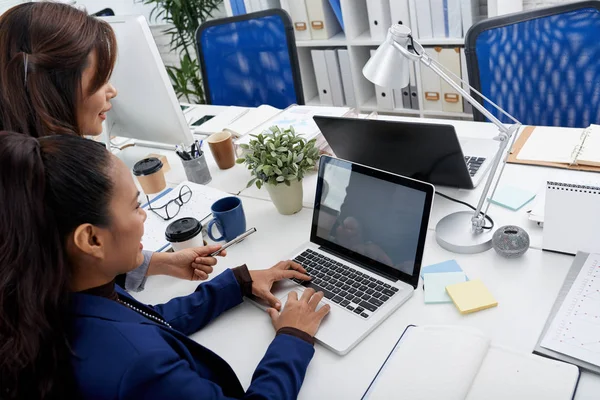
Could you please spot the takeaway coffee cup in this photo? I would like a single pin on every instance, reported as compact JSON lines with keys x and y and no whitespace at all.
{"x":149,"y":173}
{"x":185,"y":233}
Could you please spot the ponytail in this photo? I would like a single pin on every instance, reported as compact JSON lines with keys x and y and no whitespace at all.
{"x":48,"y":187}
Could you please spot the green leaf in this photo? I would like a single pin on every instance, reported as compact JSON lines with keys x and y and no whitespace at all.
{"x":280,"y":179}
{"x":244,"y":146}
{"x":299,"y":157}
{"x":259,"y":184}
{"x":271,"y":146}
{"x":273,"y":154}
{"x":251,"y":183}
{"x":277,"y":170}
{"x":260,"y":168}
{"x":279,"y":163}
{"x":240,"y":160}
{"x":282,"y":149}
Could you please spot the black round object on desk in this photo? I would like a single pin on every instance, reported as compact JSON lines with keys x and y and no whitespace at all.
{"x":147,"y":166}
{"x":183,"y":230}
{"x":510,"y":241}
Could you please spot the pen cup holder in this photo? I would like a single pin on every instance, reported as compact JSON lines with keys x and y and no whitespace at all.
{"x":196,"y":170}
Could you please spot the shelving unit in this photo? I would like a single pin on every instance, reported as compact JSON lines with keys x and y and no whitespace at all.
{"x":357,"y":39}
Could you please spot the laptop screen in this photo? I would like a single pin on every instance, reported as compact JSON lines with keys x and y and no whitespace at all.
{"x":375,"y":218}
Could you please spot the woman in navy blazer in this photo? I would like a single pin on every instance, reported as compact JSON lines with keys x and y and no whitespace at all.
{"x":70,"y":222}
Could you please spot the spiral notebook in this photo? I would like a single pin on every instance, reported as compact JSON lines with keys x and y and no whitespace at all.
{"x":568,"y":148}
{"x":571,"y":218}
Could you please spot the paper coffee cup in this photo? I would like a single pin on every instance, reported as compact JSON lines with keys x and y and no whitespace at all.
{"x":185,"y":233}
{"x":150,"y":175}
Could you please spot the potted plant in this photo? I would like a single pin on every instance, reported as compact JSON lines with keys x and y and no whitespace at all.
{"x":279,"y":159}
{"x":183,"y":17}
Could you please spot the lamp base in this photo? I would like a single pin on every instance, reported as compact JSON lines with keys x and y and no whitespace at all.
{"x":454,"y":233}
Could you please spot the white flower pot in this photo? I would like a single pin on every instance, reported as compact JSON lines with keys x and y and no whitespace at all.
{"x":287,"y":199}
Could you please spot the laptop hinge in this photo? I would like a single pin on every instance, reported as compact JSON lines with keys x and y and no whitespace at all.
{"x":342,"y":256}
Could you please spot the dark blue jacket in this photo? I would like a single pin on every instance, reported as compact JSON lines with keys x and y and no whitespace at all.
{"x":120,"y":354}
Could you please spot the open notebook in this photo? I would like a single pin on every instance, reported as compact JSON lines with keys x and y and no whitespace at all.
{"x":457,"y":363}
{"x":563,"y":145}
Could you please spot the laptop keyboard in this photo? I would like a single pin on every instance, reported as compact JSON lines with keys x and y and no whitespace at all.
{"x":474,"y":163}
{"x":351,"y":289}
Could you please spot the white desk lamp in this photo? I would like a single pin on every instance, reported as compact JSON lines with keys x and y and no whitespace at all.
{"x":465,"y":231}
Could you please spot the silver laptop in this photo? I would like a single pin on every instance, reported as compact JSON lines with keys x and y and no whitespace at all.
{"x":366,"y":246}
{"x":419,"y":150}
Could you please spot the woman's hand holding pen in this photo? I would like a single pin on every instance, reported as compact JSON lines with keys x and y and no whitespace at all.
{"x":193,"y":264}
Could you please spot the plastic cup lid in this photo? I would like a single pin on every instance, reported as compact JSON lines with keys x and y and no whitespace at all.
{"x":147,"y":166}
{"x":183,"y":229}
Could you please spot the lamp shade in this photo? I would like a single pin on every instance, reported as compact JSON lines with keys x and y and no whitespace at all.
{"x":388,"y":67}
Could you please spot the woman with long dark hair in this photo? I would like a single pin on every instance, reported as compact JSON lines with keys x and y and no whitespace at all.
{"x":55,"y":63}
{"x":70,"y":222}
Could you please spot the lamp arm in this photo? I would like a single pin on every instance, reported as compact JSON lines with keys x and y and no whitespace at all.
{"x":425,"y":59}
{"x":506,"y":133}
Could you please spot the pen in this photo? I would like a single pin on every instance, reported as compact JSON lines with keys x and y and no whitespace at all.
{"x":234,"y":241}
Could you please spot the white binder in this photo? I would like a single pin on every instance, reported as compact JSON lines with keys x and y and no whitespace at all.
{"x":464,"y":74}
{"x":431,"y":83}
{"x":454,"y":19}
{"x":438,"y":18}
{"x":299,"y":16}
{"x":323,"y":22}
{"x":469,"y":10}
{"x":423,"y":10}
{"x":320,"y":65}
{"x":384,"y":96}
{"x":335,"y":78}
{"x":379,"y":18}
{"x":347,"y":81}
{"x":414,"y":95}
{"x":400,"y":14}
{"x":451,"y":100}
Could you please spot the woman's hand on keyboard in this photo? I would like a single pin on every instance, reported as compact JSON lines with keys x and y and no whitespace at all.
{"x":300,"y":313}
{"x":263,"y":280}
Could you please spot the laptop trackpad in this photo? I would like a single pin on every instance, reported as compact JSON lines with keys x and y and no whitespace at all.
{"x":280,"y":290}
{"x":299,"y":293}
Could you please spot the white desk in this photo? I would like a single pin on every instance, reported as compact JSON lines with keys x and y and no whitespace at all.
{"x":525,"y":288}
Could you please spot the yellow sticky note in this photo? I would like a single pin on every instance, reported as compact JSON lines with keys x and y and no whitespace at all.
{"x":471,"y":296}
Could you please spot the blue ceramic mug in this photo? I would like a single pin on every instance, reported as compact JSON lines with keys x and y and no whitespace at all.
{"x":229,"y":218}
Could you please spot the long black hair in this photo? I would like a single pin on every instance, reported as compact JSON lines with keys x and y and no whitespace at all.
{"x":48,"y":187}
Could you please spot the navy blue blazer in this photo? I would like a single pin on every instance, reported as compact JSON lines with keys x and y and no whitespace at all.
{"x":120,"y":354}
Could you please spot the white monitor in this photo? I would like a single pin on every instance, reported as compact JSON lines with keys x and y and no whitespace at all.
{"x":146,"y":107}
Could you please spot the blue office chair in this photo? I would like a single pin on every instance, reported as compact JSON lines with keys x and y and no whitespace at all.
{"x":249,"y":60}
{"x":105,"y":12}
{"x":541,"y":66}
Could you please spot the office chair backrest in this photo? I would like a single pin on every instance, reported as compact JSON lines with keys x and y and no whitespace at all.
{"x":541,"y":66}
{"x":105,"y":12}
{"x":249,"y":60}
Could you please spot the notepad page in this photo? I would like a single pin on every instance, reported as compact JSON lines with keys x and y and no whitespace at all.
{"x":507,"y":374}
{"x":590,"y":150}
{"x":431,"y":363}
{"x":551,"y":145}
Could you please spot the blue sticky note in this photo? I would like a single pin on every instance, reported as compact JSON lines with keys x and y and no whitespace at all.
{"x":511,"y":197}
{"x":435,"y":285}
{"x":446,"y":266}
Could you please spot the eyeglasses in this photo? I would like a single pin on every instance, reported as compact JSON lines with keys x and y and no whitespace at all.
{"x":171,"y":209}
